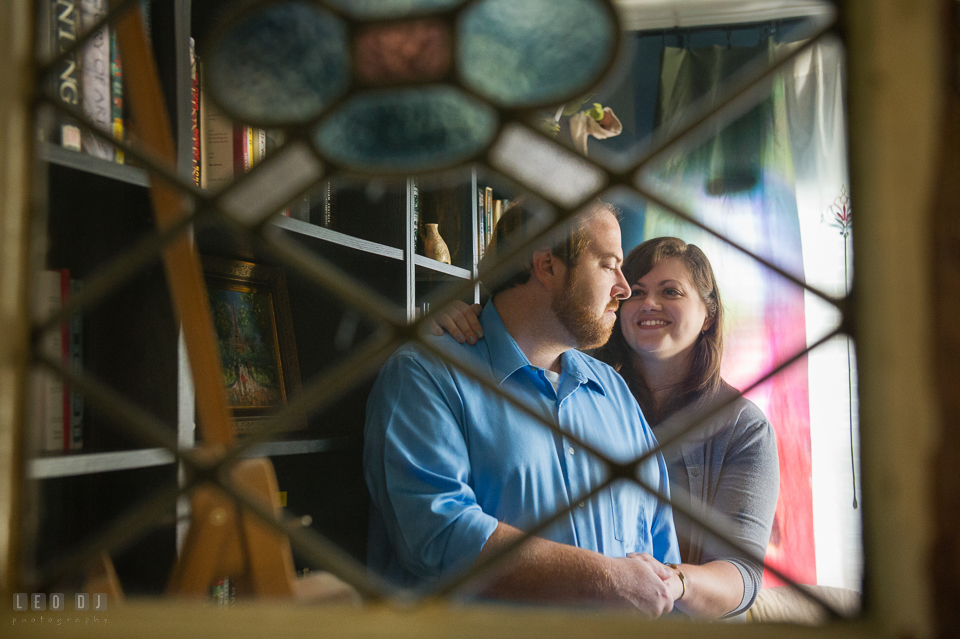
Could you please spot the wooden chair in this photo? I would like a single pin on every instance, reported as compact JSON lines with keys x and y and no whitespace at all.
{"x":224,"y":540}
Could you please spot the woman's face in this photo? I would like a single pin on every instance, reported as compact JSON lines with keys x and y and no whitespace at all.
{"x":664,"y":314}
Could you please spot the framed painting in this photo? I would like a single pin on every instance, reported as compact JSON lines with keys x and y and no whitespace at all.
{"x":254,"y":331}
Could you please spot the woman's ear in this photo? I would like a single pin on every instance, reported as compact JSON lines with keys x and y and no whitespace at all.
{"x":707,"y":323}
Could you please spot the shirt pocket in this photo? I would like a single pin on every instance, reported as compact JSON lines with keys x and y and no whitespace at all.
{"x":630,"y":525}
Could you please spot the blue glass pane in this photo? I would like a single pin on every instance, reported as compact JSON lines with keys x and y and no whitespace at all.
{"x":281,"y":65}
{"x":407,"y":130}
{"x":391,"y":8}
{"x":534,"y":52}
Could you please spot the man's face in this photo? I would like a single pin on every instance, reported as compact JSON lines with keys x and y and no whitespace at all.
{"x":587,"y":304}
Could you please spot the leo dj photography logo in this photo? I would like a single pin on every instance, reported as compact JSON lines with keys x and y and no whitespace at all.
{"x":27,"y":605}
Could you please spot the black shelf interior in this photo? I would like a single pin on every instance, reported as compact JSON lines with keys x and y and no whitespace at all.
{"x":373,"y":210}
{"x":329,"y":487}
{"x":71,"y":509}
{"x":130,"y":337}
{"x":447,"y":203}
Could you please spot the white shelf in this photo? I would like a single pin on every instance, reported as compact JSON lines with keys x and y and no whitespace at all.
{"x":90,"y":463}
{"x":87,"y":163}
{"x":334,"y":237}
{"x":300,"y":447}
{"x":439,"y":267}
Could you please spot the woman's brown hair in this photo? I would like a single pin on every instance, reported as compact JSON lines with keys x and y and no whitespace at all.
{"x":704,"y":374}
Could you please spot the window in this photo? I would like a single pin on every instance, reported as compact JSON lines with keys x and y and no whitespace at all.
{"x":90,"y":296}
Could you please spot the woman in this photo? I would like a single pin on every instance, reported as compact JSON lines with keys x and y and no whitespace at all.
{"x":667,"y":344}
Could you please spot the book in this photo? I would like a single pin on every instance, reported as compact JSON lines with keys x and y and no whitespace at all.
{"x":416,"y":217}
{"x":227,"y":149}
{"x":65,"y":18}
{"x":76,"y":363}
{"x":241,"y":149}
{"x":49,"y":396}
{"x":195,"y":112}
{"x":96,"y":80}
{"x":116,"y":95}
{"x":488,"y":215}
{"x":258,"y":145}
{"x":216,"y":143}
{"x":481,"y":225}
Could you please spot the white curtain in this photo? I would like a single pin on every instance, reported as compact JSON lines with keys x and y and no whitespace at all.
{"x":814,"y":93}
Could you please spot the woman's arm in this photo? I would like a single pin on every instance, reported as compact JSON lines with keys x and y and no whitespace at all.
{"x":711,"y":590}
{"x":745,"y":497}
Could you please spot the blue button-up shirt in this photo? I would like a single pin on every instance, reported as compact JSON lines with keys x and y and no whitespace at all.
{"x":446,"y":460}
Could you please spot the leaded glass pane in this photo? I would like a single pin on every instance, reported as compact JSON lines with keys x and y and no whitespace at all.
{"x":405,"y":51}
{"x":407,"y":129}
{"x":534,"y":52}
{"x":279,"y":65}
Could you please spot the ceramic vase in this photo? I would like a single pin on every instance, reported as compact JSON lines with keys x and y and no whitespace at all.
{"x":433,"y":245}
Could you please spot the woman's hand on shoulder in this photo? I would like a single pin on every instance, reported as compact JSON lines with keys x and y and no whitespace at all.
{"x":461,"y":320}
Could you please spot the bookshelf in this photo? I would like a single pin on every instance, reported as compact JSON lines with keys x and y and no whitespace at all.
{"x":131,"y":341}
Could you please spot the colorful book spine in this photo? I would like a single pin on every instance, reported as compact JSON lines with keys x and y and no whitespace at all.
{"x":195,"y":112}
{"x":96,"y":80}
{"x":241,"y":149}
{"x":258,"y":148}
{"x":497,"y":211}
{"x":116,"y":95}
{"x":488,"y":215}
{"x":481,"y":225}
{"x":66,"y":17}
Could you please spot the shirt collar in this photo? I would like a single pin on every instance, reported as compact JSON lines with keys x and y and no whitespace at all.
{"x":583,"y":368}
{"x":506,"y":358}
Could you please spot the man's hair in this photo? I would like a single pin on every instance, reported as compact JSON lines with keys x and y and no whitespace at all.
{"x":567,"y":241}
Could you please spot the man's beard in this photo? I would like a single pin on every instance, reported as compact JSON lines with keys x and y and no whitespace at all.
{"x":572,"y":307}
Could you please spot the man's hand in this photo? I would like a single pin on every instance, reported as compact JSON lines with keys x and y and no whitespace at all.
{"x":460,"y":320}
{"x":542,"y":570}
{"x":644,"y":583}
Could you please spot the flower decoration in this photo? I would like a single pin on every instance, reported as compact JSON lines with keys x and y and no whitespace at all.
{"x":376,"y":91}
{"x":840,"y":213}
{"x":597,"y":121}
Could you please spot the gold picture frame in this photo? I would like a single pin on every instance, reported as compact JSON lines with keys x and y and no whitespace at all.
{"x":254,"y":332}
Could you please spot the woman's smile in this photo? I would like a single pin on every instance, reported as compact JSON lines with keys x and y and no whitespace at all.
{"x":664,"y":315}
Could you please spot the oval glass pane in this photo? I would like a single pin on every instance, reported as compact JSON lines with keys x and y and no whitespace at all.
{"x":391,"y":8}
{"x":280,"y":65}
{"x":534,"y":52}
{"x":410,"y":130}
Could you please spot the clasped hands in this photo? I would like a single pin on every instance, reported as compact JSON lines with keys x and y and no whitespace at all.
{"x":651,"y":587}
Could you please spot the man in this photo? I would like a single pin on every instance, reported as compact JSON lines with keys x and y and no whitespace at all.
{"x":456,"y":473}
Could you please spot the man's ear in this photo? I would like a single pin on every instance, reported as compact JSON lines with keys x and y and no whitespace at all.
{"x":547,"y":269}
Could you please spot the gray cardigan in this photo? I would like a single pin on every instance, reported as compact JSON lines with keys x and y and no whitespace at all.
{"x":726,"y":471}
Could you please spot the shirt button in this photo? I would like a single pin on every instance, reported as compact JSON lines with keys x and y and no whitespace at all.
{"x":695,"y":472}
{"x":571,"y":451}
{"x":581,"y":504}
